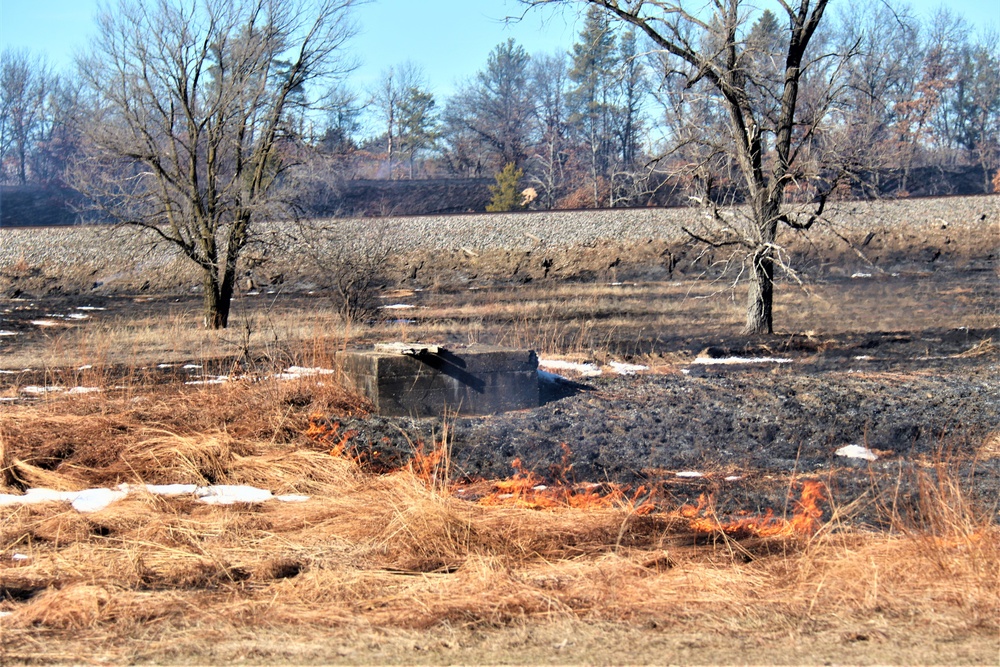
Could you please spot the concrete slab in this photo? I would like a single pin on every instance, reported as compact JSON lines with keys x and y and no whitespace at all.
{"x":411,"y":379}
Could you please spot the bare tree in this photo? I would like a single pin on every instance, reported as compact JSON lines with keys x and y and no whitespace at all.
{"x":546,"y":168}
{"x":195,"y":99}
{"x":709,"y":42}
{"x":24,"y":86}
{"x":495,"y":109}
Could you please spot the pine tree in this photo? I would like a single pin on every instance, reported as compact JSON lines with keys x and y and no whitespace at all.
{"x":506,"y":193}
{"x":592,"y":70}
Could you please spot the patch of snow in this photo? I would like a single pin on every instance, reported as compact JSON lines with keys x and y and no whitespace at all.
{"x":627,"y":369}
{"x":686,"y":371}
{"x":9,"y":333}
{"x":863,"y":357}
{"x":5,"y":614}
{"x":857,"y":452}
{"x":219,"y":379}
{"x":37,"y":391}
{"x":164,"y":365}
{"x":160,"y":489}
{"x":540,"y":487}
{"x":861,"y":275}
{"x":78,"y":316}
{"x":191,"y":366}
{"x":94,"y":500}
{"x":85,"y":367}
{"x":552,"y":378}
{"x":227,"y":494}
{"x":586,"y":370}
{"x":44,"y":323}
{"x":20,"y":557}
{"x":733,"y":478}
{"x":689,"y":473}
{"x":84,"y":390}
{"x":397,"y":306}
{"x":292,"y":498}
{"x":301,"y":371}
{"x":89,"y":308}
{"x":725,"y":361}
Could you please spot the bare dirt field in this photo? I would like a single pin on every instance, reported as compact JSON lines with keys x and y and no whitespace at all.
{"x":690,"y":507}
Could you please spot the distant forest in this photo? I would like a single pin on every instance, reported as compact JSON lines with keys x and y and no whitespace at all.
{"x":900,"y":108}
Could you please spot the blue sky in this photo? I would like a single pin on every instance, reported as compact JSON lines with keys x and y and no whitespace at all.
{"x":449,"y":39}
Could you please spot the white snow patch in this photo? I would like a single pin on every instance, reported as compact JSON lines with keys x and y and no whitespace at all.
{"x":227,"y":494}
{"x":160,"y":489}
{"x":85,"y":367}
{"x":863,"y":357}
{"x":8,"y":333}
{"x":689,"y":473}
{"x":540,"y":487}
{"x":84,"y":390}
{"x":5,"y":614}
{"x":545,"y":376}
{"x":857,"y":452}
{"x":627,"y":369}
{"x":94,"y":500}
{"x":20,"y":557}
{"x":35,"y":390}
{"x":78,"y":316}
{"x":89,"y":308}
{"x":190,"y":367}
{"x":724,"y":361}
{"x":164,"y":365}
{"x":397,"y":306}
{"x":219,"y":379}
{"x":296,"y":372}
{"x":45,"y":323}
{"x":586,"y":370}
{"x":861,"y":275}
{"x":733,"y":478}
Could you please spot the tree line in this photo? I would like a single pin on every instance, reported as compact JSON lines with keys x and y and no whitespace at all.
{"x":600,"y":125}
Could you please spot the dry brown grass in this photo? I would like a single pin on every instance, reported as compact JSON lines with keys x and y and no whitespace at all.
{"x":386,"y":560}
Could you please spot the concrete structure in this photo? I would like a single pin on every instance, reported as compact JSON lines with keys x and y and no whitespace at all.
{"x":417,"y":380}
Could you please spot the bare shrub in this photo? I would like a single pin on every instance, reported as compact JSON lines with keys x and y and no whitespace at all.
{"x":350,"y":262}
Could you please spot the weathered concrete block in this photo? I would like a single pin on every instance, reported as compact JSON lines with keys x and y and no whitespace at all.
{"x":426,"y":381}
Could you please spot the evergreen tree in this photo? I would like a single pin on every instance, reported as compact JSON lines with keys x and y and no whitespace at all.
{"x":593,"y":69}
{"x":506,"y":193}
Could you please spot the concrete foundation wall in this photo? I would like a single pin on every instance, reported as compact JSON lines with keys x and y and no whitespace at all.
{"x":477,"y":380}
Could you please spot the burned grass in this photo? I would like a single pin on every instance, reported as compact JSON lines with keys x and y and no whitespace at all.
{"x":397,"y":567}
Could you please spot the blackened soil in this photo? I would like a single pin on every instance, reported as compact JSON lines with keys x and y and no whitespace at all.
{"x":764,"y":427}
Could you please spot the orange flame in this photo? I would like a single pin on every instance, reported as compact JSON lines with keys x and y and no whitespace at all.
{"x":806,"y":517}
{"x":325,"y":432}
{"x":528,"y":490}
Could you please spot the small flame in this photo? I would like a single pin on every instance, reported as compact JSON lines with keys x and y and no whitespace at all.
{"x":806,"y":517}
{"x":326,"y":432}
{"x":527,"y":489}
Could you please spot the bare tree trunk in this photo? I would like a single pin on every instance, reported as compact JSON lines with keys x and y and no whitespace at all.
{"x":212,"y":302}
{"x":760,"y":297}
